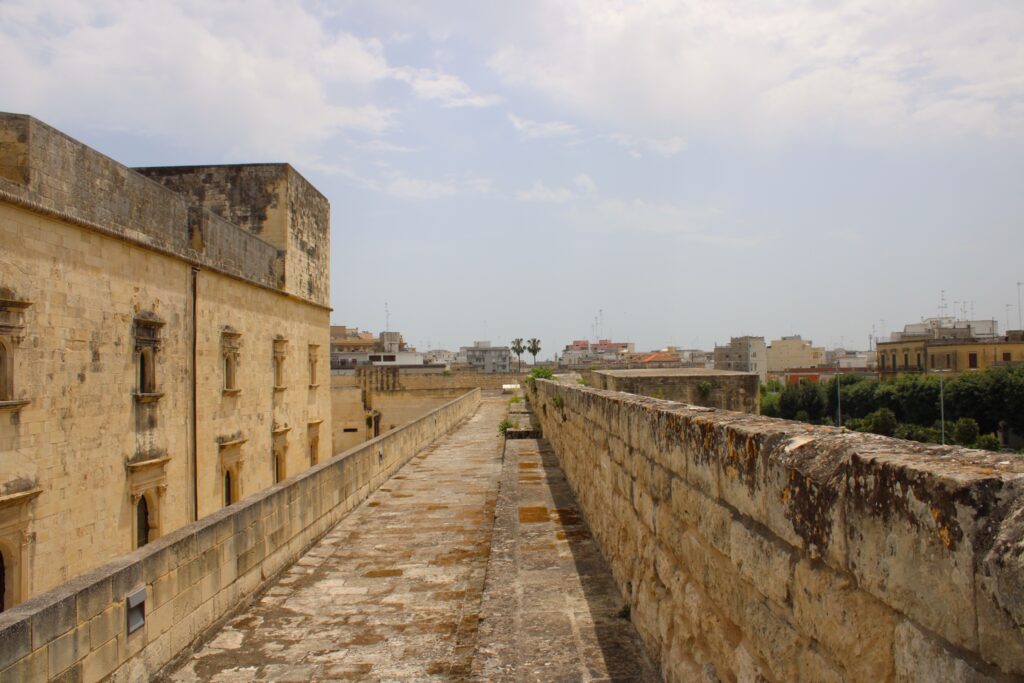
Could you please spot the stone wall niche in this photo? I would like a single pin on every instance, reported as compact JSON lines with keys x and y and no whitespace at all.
{"x":12,"y":334}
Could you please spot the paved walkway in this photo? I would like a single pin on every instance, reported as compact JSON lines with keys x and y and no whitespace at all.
{"x":396,"y":591}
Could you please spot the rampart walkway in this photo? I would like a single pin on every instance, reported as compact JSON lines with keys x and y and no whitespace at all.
{"x":466,"y":565}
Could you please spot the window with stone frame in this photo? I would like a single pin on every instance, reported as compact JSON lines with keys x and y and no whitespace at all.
{"x":314,"y":350}
{"x":280,"y":356}
{"x":12,"y":333}
{"x":147,"y":345}
{"x":230,"y":347}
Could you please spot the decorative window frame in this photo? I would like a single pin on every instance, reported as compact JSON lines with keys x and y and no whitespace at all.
{"x":147,"y":477}
{"x":279,"y":453}
{"x":12,"y":334}
{"x":146,"y":330}
{"x":313,"y":441}
{"x":231,"y":461}
{"x":314,"y":358}
{"x":15,"y":542}
{"x":231,"y":357}
{"x":279,"y":358}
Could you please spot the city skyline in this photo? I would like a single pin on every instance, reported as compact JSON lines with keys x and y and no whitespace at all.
{"x":696,"y":170}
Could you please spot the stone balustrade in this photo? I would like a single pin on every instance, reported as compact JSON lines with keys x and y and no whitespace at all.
{"x":750,"y":546}
{"x":196,"y":576}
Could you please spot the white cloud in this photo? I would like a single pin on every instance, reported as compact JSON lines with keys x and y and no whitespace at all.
{"x":637,"y":216}
{"x":867,"y":71}
{"x":256,"y":78}
{"x":539,"y":130}
{"x":665,"y":147}
{"x":585,"y":184}
{"x":544,"y":194}
{"x":419,"y":188}
{"x":449,"y":90}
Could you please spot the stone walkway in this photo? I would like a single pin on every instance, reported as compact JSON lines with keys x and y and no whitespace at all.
{"x":396,"y":592}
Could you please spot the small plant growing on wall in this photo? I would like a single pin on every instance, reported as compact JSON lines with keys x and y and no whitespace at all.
{"x":504,"y":426}
{"x":558,"y":402}
{"x":704,"y":389}
{"x":515,"y":399}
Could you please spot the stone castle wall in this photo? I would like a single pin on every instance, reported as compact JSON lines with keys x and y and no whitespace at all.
{"x":383,"y":378}
{"x":198,"y":574}
{"x":751,"y":547}
{"x":728,"y":390}
{"x":42,"y":167}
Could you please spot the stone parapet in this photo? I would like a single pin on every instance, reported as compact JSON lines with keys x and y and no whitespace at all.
{"x":749,"y":546}
{"x":698,"y":386}
{"x":44,"y":170}
{"x":196,"y":576}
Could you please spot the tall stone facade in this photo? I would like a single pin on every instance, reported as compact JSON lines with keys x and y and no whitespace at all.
{"x":164,"y":353}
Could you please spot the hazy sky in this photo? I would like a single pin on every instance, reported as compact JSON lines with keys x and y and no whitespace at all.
{"x":694,"y":169}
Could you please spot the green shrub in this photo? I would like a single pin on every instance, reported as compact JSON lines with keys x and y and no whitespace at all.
{"x":505,"y":425}
{"x":558,"y":402}
{"x":987,"y":442}
{"x":770,"y":405}
{"x":965,"y":431}
{"x":913,"y":432}
{"x":704,"y":389}
{"x":882,"y":421}
{"x":541,"y":373}
{"x":515,"y":399}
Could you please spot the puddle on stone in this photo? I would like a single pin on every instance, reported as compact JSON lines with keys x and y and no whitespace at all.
{"x":532,"y":515}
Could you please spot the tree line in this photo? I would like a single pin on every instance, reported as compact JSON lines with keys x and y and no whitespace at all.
{"x":532,"y":346}
{"x":910,"y":407}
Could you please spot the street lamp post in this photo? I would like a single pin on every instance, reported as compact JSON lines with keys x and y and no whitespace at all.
{"x":839,"y":396}
{"x":942,"y":410}
{"x":1020,"y":325}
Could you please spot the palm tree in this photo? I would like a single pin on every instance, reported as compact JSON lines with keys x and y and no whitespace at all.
{"x":533,"y":346}
{"x":518,"y":348}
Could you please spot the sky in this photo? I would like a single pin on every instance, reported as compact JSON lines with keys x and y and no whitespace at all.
{"x":680,"y":171}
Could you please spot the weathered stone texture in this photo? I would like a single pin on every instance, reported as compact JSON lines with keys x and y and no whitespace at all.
{"x":271,"y":201}
{"x":790,"y":552}
{"x":196,"y":575}
{"x":695,"y":386}
{"x":46,"y":168}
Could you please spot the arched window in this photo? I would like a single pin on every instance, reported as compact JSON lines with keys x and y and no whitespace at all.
{"x":141,"y":522}
{"x":6,"y":374}
{"x":230,"y":342}
{"x":228,"y":497}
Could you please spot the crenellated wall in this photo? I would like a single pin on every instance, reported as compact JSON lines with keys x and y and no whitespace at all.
{"x":748,"y":546}
{"x":198,"y":574}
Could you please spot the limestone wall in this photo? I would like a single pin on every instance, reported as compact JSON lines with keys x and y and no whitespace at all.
{"x":697,"y":386}
{"x":399,"y":407}
{"x":46,"y":168}
{"x":751,"y":547}
{"x":294,"y":416}
{"x":196,"y":575}
{"x":382,"y":378}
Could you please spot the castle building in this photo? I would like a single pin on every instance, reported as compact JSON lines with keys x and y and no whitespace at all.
{"x":164,"y":347}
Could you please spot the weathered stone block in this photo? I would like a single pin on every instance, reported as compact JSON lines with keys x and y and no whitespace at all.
{"x":30,"y":668}
{"x":855,"y":629}
{"x":99,"y":663}
{"x":55,"y":619}
{"x":70,"y":648}
{"x":762,"y":561}
{"x":711,"y":520}
{"x":913,"y":520}
{"x":15,"y":639}
{"x":921,"y":658}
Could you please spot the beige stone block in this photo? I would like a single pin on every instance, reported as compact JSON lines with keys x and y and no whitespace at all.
{"x":762,"y":561}
{"x":69,"y":648}
{"x":854,"y":628}
{"x":711,"y":520}
{"x":32,"y":667}
{"x":919,"y":658}
{"x":163,"y":589}
{"x":159,"y":621}
{"x":815,"y":666}
{"x":99,"y":663}
{"x":773,"y":637}
{"x":106,"y":625}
